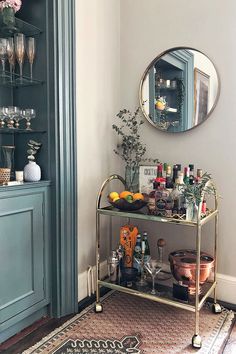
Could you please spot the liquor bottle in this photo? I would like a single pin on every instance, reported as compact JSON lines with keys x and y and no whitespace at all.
{"x":199,"y":175}
{"x":186,"y":175}
{"x":181,"y":199}
{"x":191,"y":174}
{"x":137,"y":253}
{"x":160,"y":198}
{"x":169,"y":206}
{"x":169,"y":182}
{"x":204,"y":207}
{"x":152,"y":200}
{"x":159,"y":173}
{"x":164,"y":172}
{"x":175,"y":173}
{"x":147,"y":252}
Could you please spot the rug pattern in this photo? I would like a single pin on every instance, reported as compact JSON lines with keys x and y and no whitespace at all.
{"x":158,"y":328}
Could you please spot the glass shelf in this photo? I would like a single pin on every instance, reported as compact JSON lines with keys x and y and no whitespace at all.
{"x":165,"y":289}
{"x":16,"y":81}
{"x":20,"y":131}
{"x":21,"y":27}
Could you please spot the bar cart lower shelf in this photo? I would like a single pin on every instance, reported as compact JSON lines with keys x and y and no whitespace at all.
{"x":164,"y":288}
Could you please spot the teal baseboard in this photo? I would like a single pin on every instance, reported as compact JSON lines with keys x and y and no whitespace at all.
{"x":19,"y":326}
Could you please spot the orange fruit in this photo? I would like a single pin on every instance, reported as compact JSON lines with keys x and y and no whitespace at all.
{"x":124,"y":194}
{"x":138,"y":196}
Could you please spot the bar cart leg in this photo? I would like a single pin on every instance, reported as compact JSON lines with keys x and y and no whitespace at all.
{"x":216,"y":308}
{"x":196,"y":339}
{"x":98,"y":306}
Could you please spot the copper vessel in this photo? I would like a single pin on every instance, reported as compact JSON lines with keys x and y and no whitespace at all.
{"x":183,"y":267}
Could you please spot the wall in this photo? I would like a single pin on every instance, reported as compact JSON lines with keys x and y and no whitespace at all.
{"x":98,"y":100}
{"x":147,"y":29}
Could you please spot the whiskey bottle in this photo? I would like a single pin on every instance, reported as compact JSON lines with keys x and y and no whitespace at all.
{"x":186,"y":175}
{"x":191,"y":174}
{"x":169,"y":182}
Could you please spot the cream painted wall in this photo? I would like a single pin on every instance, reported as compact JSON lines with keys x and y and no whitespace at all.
{"x":147,"y":29}
{"x":98,"y":100}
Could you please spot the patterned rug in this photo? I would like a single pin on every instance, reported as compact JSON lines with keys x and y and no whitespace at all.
{"x":133,"y":325}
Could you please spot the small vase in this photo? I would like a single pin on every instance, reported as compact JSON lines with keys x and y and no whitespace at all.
{"x":132,"y":178}
{"x":9,"y":21}
{"x":32,"y":172}
{"x":191,"y":212}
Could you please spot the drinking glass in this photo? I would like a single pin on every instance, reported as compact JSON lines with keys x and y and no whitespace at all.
{"x":153,"y":269}
{"x":17,"y":119}
{"x":3,"y":114}
{"x":142,"y":261}
{"x":3,"y":54}
{"x":20,"y":51}
{"x":28,"y":114}
{"x":11,"y":55}
{"x":11,"y":114}
{"x":31,"y":48}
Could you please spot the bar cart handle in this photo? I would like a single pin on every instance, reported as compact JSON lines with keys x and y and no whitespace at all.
{"x":105,"y":183}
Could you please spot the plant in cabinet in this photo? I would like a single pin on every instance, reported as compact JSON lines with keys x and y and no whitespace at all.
{"x":131,"y":149}
{"x":13,"y":4}
{"x":32,"y":171}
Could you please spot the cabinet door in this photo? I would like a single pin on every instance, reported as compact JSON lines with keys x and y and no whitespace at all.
{"x":22,"y":260}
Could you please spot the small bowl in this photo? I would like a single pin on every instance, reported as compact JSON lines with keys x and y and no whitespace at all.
{"x":123,"y":204}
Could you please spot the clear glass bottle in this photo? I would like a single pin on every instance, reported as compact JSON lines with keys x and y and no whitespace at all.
{"x":137,"y":253}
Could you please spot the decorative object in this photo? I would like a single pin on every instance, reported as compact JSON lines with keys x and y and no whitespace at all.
{"x":19,"y":176}
{"x":5,"y":174}
{"x":183,"y":267}
{"x":131,"y":149}
{"x":164,"y":329}
{"x":3,"y":55}
{"x":8,"y":9}
{"x":32,"y":171}
{"x":201,"y":94}
{"x":172,"y":76}
{"x":7,"y":158}
{"x":125,"y":205}
{"x":147,"y":174}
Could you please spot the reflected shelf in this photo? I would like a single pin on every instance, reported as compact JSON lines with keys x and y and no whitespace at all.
{"x":20,"y":131}
{"x":20,"y":27}
{"x":15,"y":80}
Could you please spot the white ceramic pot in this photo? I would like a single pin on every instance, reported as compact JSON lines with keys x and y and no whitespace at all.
{"x":32,"y":172}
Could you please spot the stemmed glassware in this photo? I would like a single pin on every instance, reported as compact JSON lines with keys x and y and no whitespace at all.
{"x":153,"y":269}
{"x":11,"y":55}
{"x":28,"y":114}
{"x":20,"y":51}
{"x":142,"y":261}
{"x":3,"y":114}
{"x":12,"y":113}
{"x":17,"y":118}
{"x":31,"y":48}
{"x":3,"y":54}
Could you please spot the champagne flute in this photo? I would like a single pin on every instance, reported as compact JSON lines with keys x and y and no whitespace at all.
{"x":11,"y":55}
{"x":3,"y":54}
{"x":20,"y":51}
{"x":31,"y":48}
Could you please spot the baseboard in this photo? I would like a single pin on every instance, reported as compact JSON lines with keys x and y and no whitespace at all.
{"x":226,"y":285}
{"x":226,"y":288}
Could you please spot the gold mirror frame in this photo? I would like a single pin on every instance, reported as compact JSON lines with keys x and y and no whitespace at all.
{"x":152,"y":64}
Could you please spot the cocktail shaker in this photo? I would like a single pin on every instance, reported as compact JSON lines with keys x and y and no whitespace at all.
{"x":113,"y":267}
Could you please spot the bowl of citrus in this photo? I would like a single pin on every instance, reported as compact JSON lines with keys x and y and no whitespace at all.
{"x":127,"y":200}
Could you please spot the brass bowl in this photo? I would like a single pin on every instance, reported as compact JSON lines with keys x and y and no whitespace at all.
{"x":183,"y":267}
{"x":123,"y":204}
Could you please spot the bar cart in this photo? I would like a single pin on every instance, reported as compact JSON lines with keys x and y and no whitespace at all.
{"x":199,"y":299}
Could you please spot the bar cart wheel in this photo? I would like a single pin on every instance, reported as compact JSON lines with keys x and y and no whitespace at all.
{"x":98,"y":307}
{"x":196,"y":341}
{"x":216,"y":308}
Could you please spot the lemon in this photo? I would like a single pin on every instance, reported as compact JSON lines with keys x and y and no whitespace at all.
{"x":114,"y":195}
{"x":115,"y":199}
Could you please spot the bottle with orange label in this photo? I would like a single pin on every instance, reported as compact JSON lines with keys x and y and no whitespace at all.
{"x":128,"y":237}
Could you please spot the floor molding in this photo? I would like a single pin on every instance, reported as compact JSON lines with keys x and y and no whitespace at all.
{"x":226,"y":289}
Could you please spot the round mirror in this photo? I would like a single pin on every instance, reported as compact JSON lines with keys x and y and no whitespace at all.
{"x":179,"y":90}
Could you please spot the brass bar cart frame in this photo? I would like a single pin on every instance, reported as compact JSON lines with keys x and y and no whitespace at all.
{"x":110,"y":211}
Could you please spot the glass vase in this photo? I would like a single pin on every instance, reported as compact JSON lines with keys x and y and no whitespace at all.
{"x":132,"y":178}
{"x":7,"y":158}
{"x":192,"y":212}
{"x":9,"y":21}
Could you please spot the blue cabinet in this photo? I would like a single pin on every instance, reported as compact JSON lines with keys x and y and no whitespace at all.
{"x":24,"y":253}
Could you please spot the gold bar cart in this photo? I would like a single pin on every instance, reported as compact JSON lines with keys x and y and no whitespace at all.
{"x":209,"y":287}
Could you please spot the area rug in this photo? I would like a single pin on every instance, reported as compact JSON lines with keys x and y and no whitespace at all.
{"x":133,"y":325}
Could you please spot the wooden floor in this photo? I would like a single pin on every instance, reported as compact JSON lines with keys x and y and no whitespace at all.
{"x":40,"y":329}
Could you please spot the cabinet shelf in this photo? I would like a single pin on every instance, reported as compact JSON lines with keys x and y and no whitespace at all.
{"x":20,"y":131}
{"x":21,"y":27}
{"x":16,"y":81}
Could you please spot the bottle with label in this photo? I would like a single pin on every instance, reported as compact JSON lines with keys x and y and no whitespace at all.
{"x":169,"y":182}
{"x":186,"y":175}
{"x":175,"y":173}
{"x":191,"y":174}
{"x":137,"y":253}
{"x":147,"y":252}
{"x":151,"y":199}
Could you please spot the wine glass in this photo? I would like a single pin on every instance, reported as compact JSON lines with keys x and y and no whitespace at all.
{"x":11,"y":55}
{"x":11,"y":114}
{"x":28,"y":114}
{"x":3,"y":114}
{"x":142,"y":260}
{"x":153,"y":269}
{"x":20,"y":51}
{"x":31,"y":48}
{"x":17,"y":118}
{"x":3,"y":54}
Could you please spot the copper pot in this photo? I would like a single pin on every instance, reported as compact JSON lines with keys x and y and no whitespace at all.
{"x":183,"y":267}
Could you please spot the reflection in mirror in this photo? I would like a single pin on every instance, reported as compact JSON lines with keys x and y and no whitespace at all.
{"x":179,"y":90}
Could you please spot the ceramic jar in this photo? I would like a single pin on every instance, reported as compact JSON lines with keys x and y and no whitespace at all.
{"x":32,"y":172}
